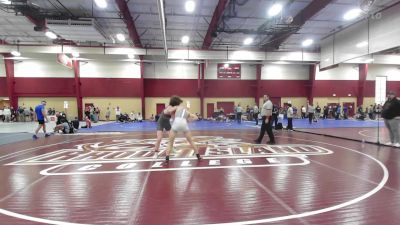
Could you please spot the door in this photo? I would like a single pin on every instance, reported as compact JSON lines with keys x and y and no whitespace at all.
{"x":210,"y":109}
{"x":88,"y":105}
{"x":350,"y":108}
{"x":276,"y":101}
{"x":160,"y":107}
{"x":4,"y":103}
{"x":227,"y":106}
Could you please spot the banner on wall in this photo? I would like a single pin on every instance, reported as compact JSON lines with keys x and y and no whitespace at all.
{"x":65,"y":104}
{"x":64,"y":60}
{"x":228,"y":71}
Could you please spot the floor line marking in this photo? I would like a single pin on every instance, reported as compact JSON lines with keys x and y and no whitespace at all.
{"x":273,"y":195}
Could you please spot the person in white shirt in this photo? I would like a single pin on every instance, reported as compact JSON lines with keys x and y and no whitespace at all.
{"x":7,"y":114}
{"x":117,"y":113}
{"x":310,"y":111}
{"x":303,"y":112}
{"x":133,"y":117}
{"x":139,"y":117}
{"x":290,"y":117}
{"x":239,"y":111}
{"x":266,"y":113}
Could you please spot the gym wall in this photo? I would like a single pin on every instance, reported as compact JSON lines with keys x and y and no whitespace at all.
{"x":151,"y":104}
{"x":52,"y":102}
{"x":105,"y":80}
{"x":127,"y":105}
{"x":322,"y":101}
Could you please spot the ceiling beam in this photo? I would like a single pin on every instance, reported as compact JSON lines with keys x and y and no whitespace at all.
{"x":212,"y":28}
{"x":36,"y":22}
{"x":299,"y":20}
{"x":130,"y":23}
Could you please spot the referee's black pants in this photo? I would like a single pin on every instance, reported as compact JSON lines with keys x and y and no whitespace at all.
{"x":266,"y":127}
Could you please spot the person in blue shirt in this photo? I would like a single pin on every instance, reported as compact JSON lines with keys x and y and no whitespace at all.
{"x":41,"y":117}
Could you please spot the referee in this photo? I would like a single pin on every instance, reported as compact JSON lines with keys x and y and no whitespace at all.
{"x":266,"y":113}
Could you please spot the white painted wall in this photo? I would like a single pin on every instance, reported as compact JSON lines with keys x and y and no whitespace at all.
{"x":41,"y":65}
{"x":284,"y":72}
{"x":346,"y":40}
{"x":392,"y":72}
{"x":2,"y":68}
{"x":382,"y":32}
{"x":109,"y":69}
{"x":343,"y":72}
{"x":172,"y":71}
{"x":248,"y":72}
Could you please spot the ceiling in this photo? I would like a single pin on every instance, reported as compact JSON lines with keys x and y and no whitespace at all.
{"x":240,"y":19}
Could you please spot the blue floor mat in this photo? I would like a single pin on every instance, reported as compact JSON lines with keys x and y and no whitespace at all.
{"x":212,"y":125}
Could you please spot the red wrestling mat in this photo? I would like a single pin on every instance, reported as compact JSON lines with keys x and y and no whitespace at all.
{"x":117,"y":179}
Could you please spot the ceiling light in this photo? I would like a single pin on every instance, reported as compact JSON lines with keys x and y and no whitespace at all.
{"x":248,"y":41}
{"x":307,"y":42}
{"x":190,"y":6}
{"x":327,"y":59}
{"x":362,"y":44}
{"x":369,"y":60}
{"x":51,"y":35}
{"x":120,"y":37}
{"x":283,"y":58}
{"x":185,"y":39}
{"x":274,"y":10}
{"x":131,"y":56}
{"x":280,"y":62}
{"x":226,"y":65}
{"x":16,"y":53}
{"x":101,"y":3}
{"x":75,"y":54}
{"x":352,"y":14}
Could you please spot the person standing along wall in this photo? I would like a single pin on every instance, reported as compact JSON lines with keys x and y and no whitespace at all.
{"x":391,"y":116}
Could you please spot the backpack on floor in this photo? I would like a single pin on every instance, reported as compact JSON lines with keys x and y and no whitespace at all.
{"x":279,"y":126}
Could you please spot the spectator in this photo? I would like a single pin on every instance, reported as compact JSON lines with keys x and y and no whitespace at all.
{"x":275,"y":112}
{"x":88,"y":122}
{"x":62,"y":124}
{"x":133,"y":116}
{"x":32,"y":114}
{"x":139,"y":117}
{"x":75,"y":123}
{"x":239,"y":113}
{"x":117,"y":113}
{"x":391,"y":115}
{"x":7,"y":114}
{"x":290,"y":117}
{"x":21,"y":116}
{"x":303,"y":112}
{"x":255,"y":113}
{"x":338,"y":112}
{"x":108,"y":113}
{"x":317,"y":112}
{"x":310,"y":111}
{"x":2,"y":114}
